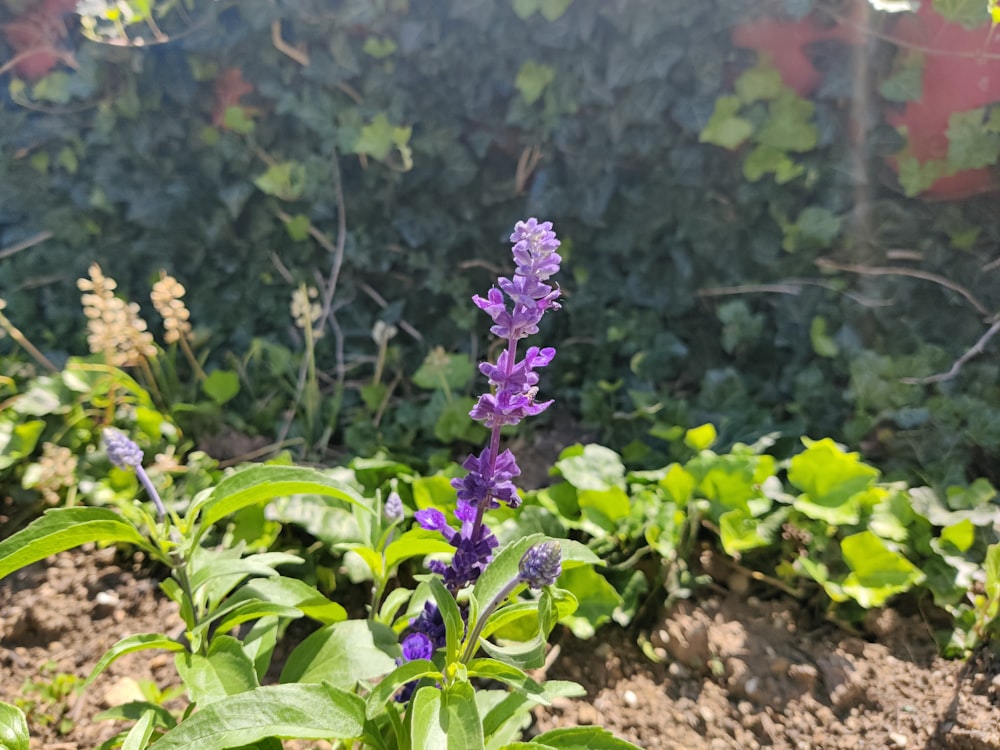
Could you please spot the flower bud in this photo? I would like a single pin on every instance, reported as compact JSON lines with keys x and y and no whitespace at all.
{"x":541,"y":565}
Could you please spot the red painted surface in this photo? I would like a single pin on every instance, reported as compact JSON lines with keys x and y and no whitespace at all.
{"x":40,"y":32}
{"x":958,"y":76}
{"x":785,"y":43}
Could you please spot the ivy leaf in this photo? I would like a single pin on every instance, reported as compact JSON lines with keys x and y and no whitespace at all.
{"x":788,"y":126}
{"x":906,"y":84}
{"x":822,"y":343}
{"x":761,"y":83}
{"x":286,"y":181}
{"x":878,"y":572}
{"x":443,"y":371}
{"x":379,"y":137}
{"x":915,"y":176}
{"x":969,"y":13}
{"x":725,"y":127}
{"x":766,"y":159}
{"x":970,"y":144}
{"x":532,"y":80}
{"x":830,"y":479}
{"x":221,"y":386}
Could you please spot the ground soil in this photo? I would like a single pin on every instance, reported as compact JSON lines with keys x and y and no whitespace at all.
{"x":736,"y":671}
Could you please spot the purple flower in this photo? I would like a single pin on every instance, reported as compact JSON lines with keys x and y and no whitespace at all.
{"x":126,"y":454}
{"x":417,"y":646}
{"x":541,"y":565}
{"x":393,"y":508}
{"x":516,"y":306}
{"x":122,"y":452}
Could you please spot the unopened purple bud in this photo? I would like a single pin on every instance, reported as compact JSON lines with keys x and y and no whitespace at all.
{"x":393,"y":507}
{"x":122,"y":452}
{"x":541,"y":565}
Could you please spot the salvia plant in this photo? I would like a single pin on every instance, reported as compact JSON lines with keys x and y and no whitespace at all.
{"x":448,"y":672}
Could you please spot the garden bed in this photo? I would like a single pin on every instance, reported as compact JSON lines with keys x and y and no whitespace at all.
{"x":740,"y":671}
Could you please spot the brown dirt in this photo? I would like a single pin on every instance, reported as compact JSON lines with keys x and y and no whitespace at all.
{"x":738,"y":671}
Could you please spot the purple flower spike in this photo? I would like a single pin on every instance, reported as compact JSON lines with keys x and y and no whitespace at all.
{"x":516,"y":307}
{"x":122,"y":452}
{"x":541,"y":565}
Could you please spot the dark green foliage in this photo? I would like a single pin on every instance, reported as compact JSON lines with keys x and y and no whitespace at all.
{"x":121,"y":161}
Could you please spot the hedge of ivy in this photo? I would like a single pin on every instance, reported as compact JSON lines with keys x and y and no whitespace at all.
{"x":693,"y":293}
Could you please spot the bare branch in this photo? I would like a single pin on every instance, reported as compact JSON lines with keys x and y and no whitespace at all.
{"x":25,"y":244}
{"x":975,"y":351}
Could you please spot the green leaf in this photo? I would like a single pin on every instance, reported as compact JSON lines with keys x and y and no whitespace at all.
{"x":446,"y":719}
{"x":490,"y":669}
{"x":343,"y":654}
{"x":767,"y":159}
{"x":408,"y":672}
{"x":230,"y":616}
{"x":760,"y":83}
{"x":788,"y":126}
{"x":379,"y":47}
{"x":18,"y":440}
{"x":605,"y":507}
{"x":597,"y":600}
{"x":226,"y":670}
{"x":454,"y":625}
{"x":701,"y":438}
{"x":238,"y":119}
{"x":131,"y":644}
{"x":515,"y":703}
{"x":678,"y":483}
{"x":816,"y":227}
{"x":582,"y":738}
{"x":298,"y":227}
{"x":822,"y":343}
{"x":725,"y":127}
{"x":443,"y":371}
{"x":906,"y":83}
{"x":221,"y":385}
{"x":878,"y":572}
{"x":960,"y":536}
{"x":13,"y":728}
{"x":738,"y":532}
{"x":286,"y":181}
{"x":915,"y":176}
{"x":416,"y":542}
{"x":831,"y":479}
{"x":970,"y":144}
{"x":378,"y":138}
{"x":532,"y":80}
{"x":61,"y":529}
{"x":592,"y":467}
{"x":309,"y":712}
{"x":970,"y":13}
{"x":138,"y":736}
{"x":260,"y":484}
{"x":293,"y":592}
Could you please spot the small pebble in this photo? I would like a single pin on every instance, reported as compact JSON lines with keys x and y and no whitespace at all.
{"x":897,"y":739}
{"x":630,"y":698}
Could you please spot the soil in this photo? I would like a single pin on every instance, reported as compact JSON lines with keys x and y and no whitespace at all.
{"x":737,"y":670}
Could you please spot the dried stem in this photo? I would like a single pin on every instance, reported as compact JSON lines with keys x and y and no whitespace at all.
{"x":974,"y":351}
{"x":914,"y":273}
{"x":25,"y":244}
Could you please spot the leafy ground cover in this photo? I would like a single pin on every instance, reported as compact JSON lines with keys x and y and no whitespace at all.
{"x":817,"y":685}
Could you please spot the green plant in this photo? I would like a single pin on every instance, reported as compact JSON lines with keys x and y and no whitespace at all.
{"x":43,"y":700}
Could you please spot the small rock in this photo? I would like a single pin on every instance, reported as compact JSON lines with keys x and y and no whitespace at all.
{"x":587,"y":715}
{"x":630,"y":698}
{"x":897,"y":739}
{"x":124,"y":690}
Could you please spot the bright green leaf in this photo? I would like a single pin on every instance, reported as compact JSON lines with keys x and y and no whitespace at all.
{"x":701,"y":438}
{"x":61,"y":529}
{"x":725,"y":127}
{"x":532,"y":79}
{"x":310,"y":712}
{"x":286,"y":181}
{"x":13,"y":728}
{"x":877,"y":572}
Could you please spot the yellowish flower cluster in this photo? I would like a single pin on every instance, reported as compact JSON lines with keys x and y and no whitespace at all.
{"x":114,"y":327}
{"x":56,"y":472}
{"x":166,"y":296}
{"x":305,"y":312}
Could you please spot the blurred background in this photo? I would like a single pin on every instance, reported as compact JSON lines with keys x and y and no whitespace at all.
{"x":779,"y":217}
